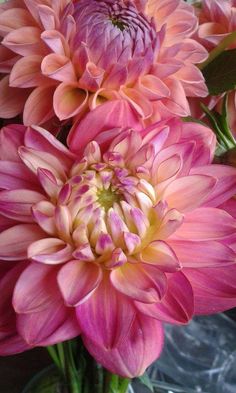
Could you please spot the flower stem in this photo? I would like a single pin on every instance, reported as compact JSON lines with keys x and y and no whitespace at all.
{"x":124,"y":384}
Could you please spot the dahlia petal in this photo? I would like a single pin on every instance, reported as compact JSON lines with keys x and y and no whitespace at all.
{"x":197,"y":254}
{"x":135,"y":353}
{"x":35,"y":289}
{"x":11,"y":137}
{"x":104,"y":117}
{"x":11,"y":99}
{"x":92,"y":77}
{"x":107,"y":316}
{"x":13,"y":19}
{"x":38,"y":107}
{"x":48,"y":182}
{"x":12,"y":344}
{"x":177,"y":102}
{"x":141,"y":282}
{"x":69,"y":100}
{"x":161,"y":255}
{"x":189,"y":192}
{"x":37,"y":327}
{"x":176,"y":306}
{"x":225,"y":187}
{"x":56,"y":42}
{"x":17,"y":204}
{"x":63,"y":222}
{"x":153,"y":88}
{"x":47,"y":17}
{"x":58,"y":67}
{"x":78,"y":280}
{"x":116,"y":78}
{"x":7,"y":59}
{"x":15,"y":241}
{"x":171,"y":221}
{"x":14,"y":175}
{"x":137,"y":100}
{"x":51,"y":251}
{"x":214,"y":289}
{"x":43,"y":213}
{"x":26,"y":72}
{"x":206,"y":224}
{"x":25,"y":41}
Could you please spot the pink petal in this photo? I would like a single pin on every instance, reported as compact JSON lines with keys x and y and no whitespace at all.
{"x":58,"y":67}
{"x":15,"y":241}
{"x":39,"y":106}
{"x":161,"y":255}
{"x":69,"y":100}
{"x":25,"y":41}
{"x":12,"y":344}
{"x":153,"y":88}
{"x":141,"y":282}
{"x":14,"y":175}
{"x":78,"y":280}
{"x":176,"y":306}
{"x":138,"y":101}
{"x":187,"y":193}
{"x":11,"y":137}
{"x":13,"y":19}
{"x":214,"y":289}
{"x":50,"y":251}
{"x":11,"y":99}
{"x":199,"y":254}
{"x":142,"y":345}
{"x":56,"y":42}
{"x":107,"y":316}
{"x":104,"y":117}
{"x":35,"y":289}
{"x":27,"y":72}
{"x":17,"y":204}
{"x":225,"y":187}
{"x":206,"y":224}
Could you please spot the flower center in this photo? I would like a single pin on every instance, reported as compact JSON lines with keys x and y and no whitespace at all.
{"x":119,"y":23}
{"x":107,"y":198}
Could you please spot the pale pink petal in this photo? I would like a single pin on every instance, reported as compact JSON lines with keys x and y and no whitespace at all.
{"x":153,"y":88}
{"x":176,"y":306}
{"x":226,"y":184}
{"x":197,"y":254}
{"x":141,"y":282}
{"x":51,"y":251}
{"x":187,"y":193}
{"x":25,"y":41}
{"x":69,"y":100}
{"x":107,"y":316}
{"x":105,"y":117}
{"x":15,"y":241}
{"x":161,"y":255}
{"x":27,"y":73}
{"x":58,"y":67}
{"x":56,"y":42}
{"x":142,"y":345}
{"x":39,"y":106}
{"x":78,"y":280}
{"x":206,"y":224}
{"x":17,"y":204}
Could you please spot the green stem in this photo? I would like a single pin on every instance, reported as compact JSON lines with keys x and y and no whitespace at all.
{"x":124,"y":384}
{"x":224,"y":44}
{"x":52,"y":352}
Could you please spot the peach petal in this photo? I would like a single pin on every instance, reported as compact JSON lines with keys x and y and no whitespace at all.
{"x":13,"y":19}
{"x":25,"y":41}
{"x":58,"y":67}
{"x":11,"y":99}
{"x":27,"y":72}
{"x":38,"y":107}
{"x":69,"y":100}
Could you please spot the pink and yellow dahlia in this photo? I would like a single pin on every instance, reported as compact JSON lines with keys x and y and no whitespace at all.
{"x":112,"y":237}
{"x":64,"y":57}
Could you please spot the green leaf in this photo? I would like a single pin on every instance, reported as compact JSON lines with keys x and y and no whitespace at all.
{"x":220,"y":74}
{"x":145,"y":380}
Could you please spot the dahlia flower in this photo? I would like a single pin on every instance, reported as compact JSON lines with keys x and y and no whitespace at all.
{"x":114,"y":238}
{"x":66,"y":57}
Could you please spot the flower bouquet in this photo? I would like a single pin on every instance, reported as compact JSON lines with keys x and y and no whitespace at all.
{"x":117,"y":203}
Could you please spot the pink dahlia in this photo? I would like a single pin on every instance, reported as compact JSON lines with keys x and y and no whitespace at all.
{"x":65,"y":57}
{"x":114,"y":239}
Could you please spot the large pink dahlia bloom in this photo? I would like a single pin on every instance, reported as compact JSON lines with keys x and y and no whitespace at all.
{"x":112,"y":240}
{"x":65,"y":57}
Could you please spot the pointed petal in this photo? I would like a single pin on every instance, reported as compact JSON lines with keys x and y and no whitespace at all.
{"x":27,"y":72}
{"x":12,"y":99}
{"x":141,"y":282}
{"x":161,"y":255}
{"x":38,"y":107}
{"x":106,"y":317}
{"x":69,"y":100}
{"x":78,"y":280}
{"x":51,"y":251}
{"x":15,"y":241}
{"x":25,"y":41}
{"x":176,"y":306}
{"x":135,"y":353}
